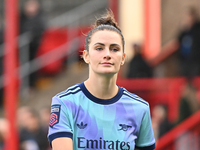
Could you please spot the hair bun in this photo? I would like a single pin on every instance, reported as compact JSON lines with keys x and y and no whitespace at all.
{"x":107,"y":20}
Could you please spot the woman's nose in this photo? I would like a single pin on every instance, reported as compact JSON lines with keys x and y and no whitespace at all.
{"x":107,"y":54}
{"x":107,"y":57}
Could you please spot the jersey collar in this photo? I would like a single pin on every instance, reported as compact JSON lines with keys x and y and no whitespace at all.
{"x":98,"y":100}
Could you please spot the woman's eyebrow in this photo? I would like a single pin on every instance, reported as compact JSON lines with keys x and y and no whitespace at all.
{"x":104,"y":44}
{"x":99,"y":44}
{"x":115,"y":45}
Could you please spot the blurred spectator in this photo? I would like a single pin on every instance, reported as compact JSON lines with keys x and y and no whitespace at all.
{"x":3,"y":132}
{"x":187,"y":42}
{"x":160,"y":122}
{"x":138,"y":67}
{"x":189,"y":45}
{"x":45,"y":113}
{"x":32,"y":20}
{"x":189,"y":103}
{"x":32,"y":135}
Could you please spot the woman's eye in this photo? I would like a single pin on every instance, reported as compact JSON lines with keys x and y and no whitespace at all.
{"x":99,"y":48}
{"x":115,"y":49}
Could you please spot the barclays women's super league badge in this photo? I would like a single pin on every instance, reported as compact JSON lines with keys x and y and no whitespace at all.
{"x":55,"y":115}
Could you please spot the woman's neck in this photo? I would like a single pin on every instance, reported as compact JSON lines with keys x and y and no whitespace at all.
{"x":102,"y":87}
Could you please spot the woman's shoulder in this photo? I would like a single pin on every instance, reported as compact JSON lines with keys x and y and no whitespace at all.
{"x":69,"y":91}
{"x":135,"y":98}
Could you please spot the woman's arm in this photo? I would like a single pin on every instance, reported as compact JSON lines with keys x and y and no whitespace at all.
{"x":62,"y":143}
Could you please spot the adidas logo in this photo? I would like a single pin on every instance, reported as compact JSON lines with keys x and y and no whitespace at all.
{"x":82,"y":126}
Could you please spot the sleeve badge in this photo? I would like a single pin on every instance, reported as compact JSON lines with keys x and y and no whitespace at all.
{"x":55,"y":115}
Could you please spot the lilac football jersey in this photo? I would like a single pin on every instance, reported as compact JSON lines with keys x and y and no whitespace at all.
{"x":120,"y":123}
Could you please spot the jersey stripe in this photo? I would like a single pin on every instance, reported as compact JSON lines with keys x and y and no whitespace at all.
{"x":135,"y":97}
{"x":71,"y":90}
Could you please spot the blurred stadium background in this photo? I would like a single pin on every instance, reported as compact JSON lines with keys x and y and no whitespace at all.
{"x":152,"y":25}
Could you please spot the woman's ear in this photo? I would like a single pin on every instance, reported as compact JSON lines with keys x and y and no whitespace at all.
{"x":86,"y":56}
{"x":123,"y":59}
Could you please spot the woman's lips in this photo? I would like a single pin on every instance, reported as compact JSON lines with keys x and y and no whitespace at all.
{"x":107,"y":64}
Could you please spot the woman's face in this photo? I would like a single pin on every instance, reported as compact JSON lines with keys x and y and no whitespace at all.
{"x":105,"y":55}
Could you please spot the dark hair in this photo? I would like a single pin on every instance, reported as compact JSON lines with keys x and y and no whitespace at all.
{"x":106,"y":22}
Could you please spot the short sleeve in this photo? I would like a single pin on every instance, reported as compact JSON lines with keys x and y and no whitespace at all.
{"x":59,"y":125}
{"x":146,"y":140}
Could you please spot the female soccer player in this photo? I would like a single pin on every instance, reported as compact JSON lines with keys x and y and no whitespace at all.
{"x":98,"y":114}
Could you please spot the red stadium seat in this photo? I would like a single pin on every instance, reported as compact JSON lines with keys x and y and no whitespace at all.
{"x":52,"y":39}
